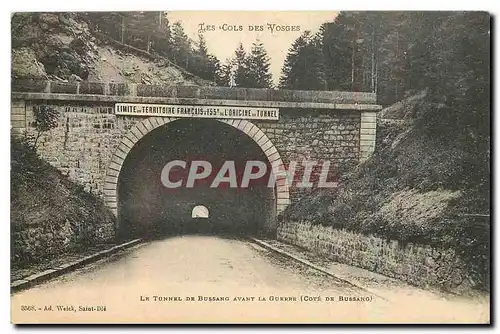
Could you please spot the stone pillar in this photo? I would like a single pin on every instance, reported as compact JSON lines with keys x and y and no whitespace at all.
{"x":18,"y":117}
{"x":367,"y":134}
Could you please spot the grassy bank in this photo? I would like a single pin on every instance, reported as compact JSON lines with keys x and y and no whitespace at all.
{"x":51,"y":215}
{"x":418,"y":188}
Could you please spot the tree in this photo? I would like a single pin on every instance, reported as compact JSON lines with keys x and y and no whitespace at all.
{"x":202,"y":46}
{"x":226,"y":73}
{"x":144,"y":30}
{"x":181,"y":45}
{"x":304,"y":65}
{"x":109,"y":23}
{"x":202,"y":63}
{"x":162,"y":42}
{"x":45,"y":120}
{"x":337,"y":53}
{"x":351,"y":50}
{"x":140,"y":28}
{"x":257,"y":63}
{"x":241,"y":67}
{"x":212,"y":68}
{"x":289,"y":71}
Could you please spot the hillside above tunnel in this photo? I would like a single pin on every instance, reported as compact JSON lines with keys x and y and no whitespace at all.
{"x":63,"y":47}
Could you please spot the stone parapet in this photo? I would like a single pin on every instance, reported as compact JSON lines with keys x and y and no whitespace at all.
{"x":131,"y":92}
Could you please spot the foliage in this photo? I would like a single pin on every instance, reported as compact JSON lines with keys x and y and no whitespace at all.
{"x":258,"y":64}
{"x":241,"y":69}
{"x":337,"y":53}
{"x":45,"y":119}
{"x":143,"y":30}
{"x":304,"y":66}
{"x":249,"y":70}
{"x":151,"y":31}
{"x":411,"y":163}
{"x":226,"y":74}
{"x":19,"y":21}
{"x":204,"y":64}
{"x":384,"y":53}
{"x":448,"y":55}
{"x":181,"y":45}
{"x":49,"y":213}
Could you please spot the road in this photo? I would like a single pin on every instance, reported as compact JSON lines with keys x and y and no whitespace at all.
{"x":228,"y":280}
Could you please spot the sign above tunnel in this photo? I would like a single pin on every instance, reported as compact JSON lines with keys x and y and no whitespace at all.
{"x":171,"y":110}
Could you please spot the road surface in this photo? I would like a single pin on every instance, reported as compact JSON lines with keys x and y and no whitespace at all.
{"x":197,"y":279}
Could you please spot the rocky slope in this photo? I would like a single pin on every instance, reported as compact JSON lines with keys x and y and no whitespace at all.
{"x":61,"y":46}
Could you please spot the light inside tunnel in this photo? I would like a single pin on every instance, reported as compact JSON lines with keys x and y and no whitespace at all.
{"x":147,"y":208}
{"x":200,"y":211}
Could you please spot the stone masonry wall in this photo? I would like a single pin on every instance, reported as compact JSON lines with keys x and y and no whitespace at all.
{"x":87,"y":135}
{"x":82,"y":144}
{"x":416,"y":264}
{"x":315,"y":136}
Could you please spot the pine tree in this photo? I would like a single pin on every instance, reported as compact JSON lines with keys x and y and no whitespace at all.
{"x":181,"y":45}
{"x":241,"y":67}
{"x":336,"y":47}
{"x":162,"y":42}
{"x":202,"y":46}
{"x":304,"y":66}
{"x":109,"y":23}
{"x":289,"y":71}
{"x":226,"y":73}
{"x":202,"y":63}
{"x":212,"y":68}
{"x":139,"y":28}
{"x":258,"y":64}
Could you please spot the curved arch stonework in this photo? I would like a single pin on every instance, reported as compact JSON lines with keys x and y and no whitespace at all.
{"x":141,"y":129}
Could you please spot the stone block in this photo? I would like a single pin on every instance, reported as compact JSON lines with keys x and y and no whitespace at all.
{"x":216,"y":92}
{"x":188,"y":92}
{"x":247,"y":127}
{"x":64,"y":87}
{"x":273,"y":157}
{"x":142,"y":128}
{"x":266,"y":145}
{"x":148,"y":125}
{"x":113,"y":172}
{"x":367,"y":137}
{"x":119,"y":89}
{"x":18,"y":117}
{"x":94,"y":88}
{"x":257,"y":94}
{"x":18,"y":124}
{"x":30,"y":85}
{"x":369,"y":125}
{"x":158,"y":91}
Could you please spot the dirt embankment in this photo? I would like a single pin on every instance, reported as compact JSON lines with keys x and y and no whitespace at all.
{"x":416,"y":188}
{"x":60,"y":46}
{"x":50,"y":214}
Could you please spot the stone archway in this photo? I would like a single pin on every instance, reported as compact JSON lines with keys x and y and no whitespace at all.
{"x":142,"y":128}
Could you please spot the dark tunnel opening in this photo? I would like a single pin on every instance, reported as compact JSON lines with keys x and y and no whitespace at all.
{"x":148,"y":208}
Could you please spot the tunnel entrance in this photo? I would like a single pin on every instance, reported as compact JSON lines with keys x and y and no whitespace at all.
{"x":147,"y":208}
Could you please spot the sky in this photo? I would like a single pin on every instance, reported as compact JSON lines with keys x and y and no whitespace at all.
{"x":222,"y":42}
